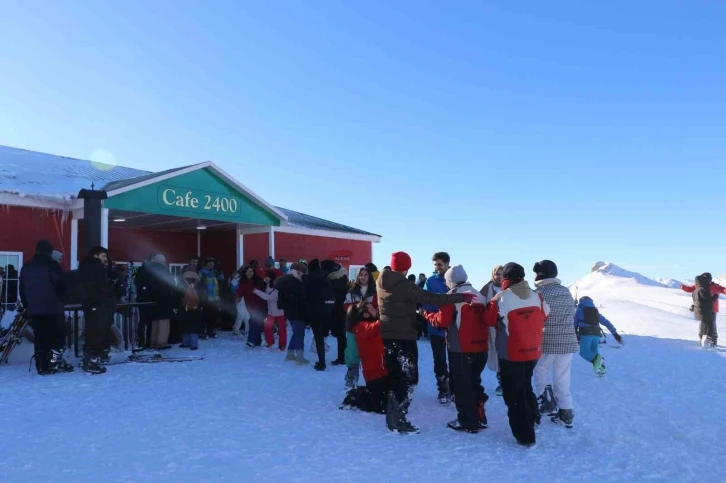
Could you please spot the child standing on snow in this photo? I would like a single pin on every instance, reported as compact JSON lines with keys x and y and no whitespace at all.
{"x":190,"y":316}
{"x":275,"y":315}
{"x":587,"y":325}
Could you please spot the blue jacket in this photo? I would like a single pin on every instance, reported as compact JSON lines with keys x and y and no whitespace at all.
{"x":580,"y":317}
{"x":435,"y":284}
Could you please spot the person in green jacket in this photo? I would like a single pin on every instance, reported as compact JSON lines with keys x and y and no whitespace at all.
{"x":363,"y":290}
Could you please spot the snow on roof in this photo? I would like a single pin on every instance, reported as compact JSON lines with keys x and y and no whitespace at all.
{"x":44,"y":176}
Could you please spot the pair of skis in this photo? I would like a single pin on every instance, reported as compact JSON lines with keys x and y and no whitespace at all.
{"x":153,"y":358}
{"x":13,"y":336}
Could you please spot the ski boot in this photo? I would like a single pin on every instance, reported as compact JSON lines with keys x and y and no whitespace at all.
{"x":546,"y":402}
{"x":598,"y":366}
{"x":457,"y":426}
{"x":105,"y":356}
{"x":481,"y":415}
{"x":444,"y":393}
{"x":351,"y":377}
{"x":564,"y":418}
{"x":42,"y":363}
{"x":57,"y":363}
{"x":93,"y":365}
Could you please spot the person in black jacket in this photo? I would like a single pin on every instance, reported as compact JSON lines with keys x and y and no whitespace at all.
{"x":293,"y":300}
{"x":338,"y":278}
{"x":165,"y":294}
{"x":703,"y":311}
{"x":98,"y":307}
{"x":41,"y":293}
{"x":320,"y":304}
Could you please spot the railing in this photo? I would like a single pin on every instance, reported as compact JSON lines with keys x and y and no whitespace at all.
{"x":126,"y":320}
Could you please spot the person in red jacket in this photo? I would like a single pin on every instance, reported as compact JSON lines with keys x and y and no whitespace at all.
{"x":256,"y":307}
{"x":467,"y":337}
{"x":518,"y":313}
{"x":716,"y":290}
{"x":362,"y":320}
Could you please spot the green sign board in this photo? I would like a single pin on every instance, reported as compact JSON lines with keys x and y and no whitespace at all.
{"x":199,"y":194}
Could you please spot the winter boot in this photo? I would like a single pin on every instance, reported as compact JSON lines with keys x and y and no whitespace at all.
{"x":42,"y":363}
{"x":563,"y":417}
{"x":444,"y":393}
{"x":92,"y":364}
{"x":526,"y":445}
{"x":351,"y":377}
{"x":300,"y":359}
{"x":546,"y":402}
{"x":320,"y":366}
{"x":105,"y":356}
{"x":57,"y":363}
{"x":338,"y":362}
{"x":291,"y":356}
{"x":481,"y":414}
{"x":456,"y":426}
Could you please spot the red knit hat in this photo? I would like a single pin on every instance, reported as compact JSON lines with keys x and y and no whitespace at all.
{"x":400,"y":262}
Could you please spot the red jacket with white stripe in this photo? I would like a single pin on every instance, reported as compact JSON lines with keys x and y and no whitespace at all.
{"x":519,"y":314}
{"x":370,"y":348}
{"x":467,"y":331}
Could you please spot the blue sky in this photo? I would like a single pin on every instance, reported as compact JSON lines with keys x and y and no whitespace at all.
{"x":497,"y":131}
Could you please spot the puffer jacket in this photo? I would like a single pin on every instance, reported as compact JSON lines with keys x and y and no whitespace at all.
{"x":467,"y":331}
{"x":519,"y":315}
{"x":372,"y":353}
{"x":41,"y":286}
{"x":397,"y":299}
{"x":703,"y":308}
{"x":559,"y":335}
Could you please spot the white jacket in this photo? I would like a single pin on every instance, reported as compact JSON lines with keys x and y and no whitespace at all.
{"x":270,"y":295}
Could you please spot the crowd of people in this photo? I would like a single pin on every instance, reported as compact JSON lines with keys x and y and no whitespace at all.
{"x":526,"y":335}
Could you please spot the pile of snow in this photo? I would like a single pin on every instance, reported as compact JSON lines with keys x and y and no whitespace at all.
{"x":608,"y":268}
{"x":668,"y":282}
{"x":721,"y":280}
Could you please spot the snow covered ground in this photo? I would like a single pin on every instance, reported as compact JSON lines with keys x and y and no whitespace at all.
{"x":247,"y":416}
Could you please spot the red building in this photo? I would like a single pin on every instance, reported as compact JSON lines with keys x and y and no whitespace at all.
{"x":194,"y":210}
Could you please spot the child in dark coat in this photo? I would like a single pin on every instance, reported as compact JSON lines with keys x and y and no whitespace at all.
{"x":363,"y":321}
{"x":190,"y":313}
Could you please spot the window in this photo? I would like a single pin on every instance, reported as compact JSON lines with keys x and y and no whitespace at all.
{"x":10,"y":264}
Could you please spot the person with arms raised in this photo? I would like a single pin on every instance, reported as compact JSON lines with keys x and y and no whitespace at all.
{"x":397,"y":299}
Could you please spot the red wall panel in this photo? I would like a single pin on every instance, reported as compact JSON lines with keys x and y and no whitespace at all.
{"x":128,"y":245}
{"x":222,"y":246}
{"x":292,"y":247}
{"x":21,"y":228}
{"x":256,"y":247}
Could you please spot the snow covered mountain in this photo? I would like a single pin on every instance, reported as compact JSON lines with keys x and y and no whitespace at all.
{"x":636,"y":304}
{"x":668,"y":282}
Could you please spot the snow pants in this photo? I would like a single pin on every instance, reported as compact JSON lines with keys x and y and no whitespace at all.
{"x":191,"y":340}
{"x":441,"y":369}
{"x":243,"y":316}
{"x":49,"y":332}
{"x":371,"y":398}
{"x":562,"y":366}
{"x":708,"y":329}
{"x":320,"y":323}
{"x":97,"y":324}
{"x":466,"y":372}
{"x":297,"y":341}
{"x":159,"y":334}
{"x":519,"y":398}
{"x":254,"y":336}
{"x":589,"y":347}
{"x":211,"y":317}
{"x":402,"y":362}
{"x":281,"y":322}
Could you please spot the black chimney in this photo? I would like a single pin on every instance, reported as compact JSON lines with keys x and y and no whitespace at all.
{"x":92,"y":208}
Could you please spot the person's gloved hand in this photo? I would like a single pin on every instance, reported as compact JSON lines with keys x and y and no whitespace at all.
{"x":618,"y":338}
{"x":469,"y":297}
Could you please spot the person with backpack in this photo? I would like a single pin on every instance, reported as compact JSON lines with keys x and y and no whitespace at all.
{"x":362,"y":291}
{"x":275,"y":314}
{"x":704,"y":311}
{"x":42,"y":290}
{"x":587,"y":325}
{"x":293,"y":301}
{"x":467,"y":336}
{"x":559,"y":343}
{"x":362,"y":321}
{"x":711,"y":337}
{"x":519,"y":315}
{"x":191,"y":318}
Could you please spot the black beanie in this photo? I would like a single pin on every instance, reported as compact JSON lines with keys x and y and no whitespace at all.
{"x":545,"y":269}
{"x":44,"y":248}
{"x":513,"y":271}
{"x":327,"y":265}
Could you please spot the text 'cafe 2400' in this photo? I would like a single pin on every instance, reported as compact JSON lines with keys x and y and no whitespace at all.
{"x":195,"y":210}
